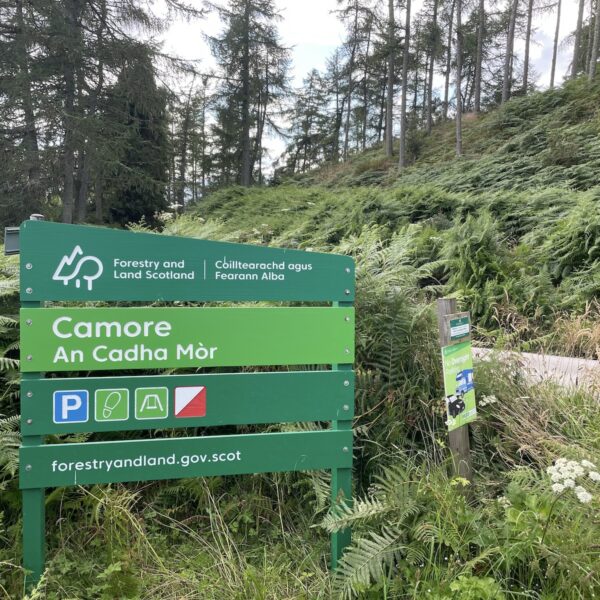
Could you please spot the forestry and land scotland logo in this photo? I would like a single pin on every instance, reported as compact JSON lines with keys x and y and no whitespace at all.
{"x":76,"y":266}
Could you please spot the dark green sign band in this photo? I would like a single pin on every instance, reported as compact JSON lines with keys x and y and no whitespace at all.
{"x":96,"y":339}
{"x":112,"y":462}
{"x":117,"y":403}
{"x":74,"y":262}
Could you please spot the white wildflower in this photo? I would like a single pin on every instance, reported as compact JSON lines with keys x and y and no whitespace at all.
{"x":570,"y":483}
{"x":561,"y":461}
{"x":579,"y":489}
{"x":557,"y":488}
{"x":551,"y":470}
{"x":504,"y":502}
{"x":488,"y":400}
{"x":584,"y":497}
{"x":594,"y":475}
{"x":577,"y":470}
{"x":587,"y":464}
{"x":556,"y":478}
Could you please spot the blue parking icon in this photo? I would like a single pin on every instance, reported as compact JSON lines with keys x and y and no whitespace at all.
{"x":71,"y":406}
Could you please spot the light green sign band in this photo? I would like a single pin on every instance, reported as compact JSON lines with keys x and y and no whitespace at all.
{"x":97,"y":339}
{"x":111,"y":462}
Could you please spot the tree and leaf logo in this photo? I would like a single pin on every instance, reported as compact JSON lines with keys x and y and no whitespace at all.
{"x":76,"y":266}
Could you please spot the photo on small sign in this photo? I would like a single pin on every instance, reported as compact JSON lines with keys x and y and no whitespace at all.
{"x":459,"y":387}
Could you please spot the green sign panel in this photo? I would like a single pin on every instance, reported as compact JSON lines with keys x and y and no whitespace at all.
{"x":143,"y":460}
{"x":460,"y":328}
{"x":96,"y":339}
{"x":70,"y":262}
{"x":192,"y":401}
{"x":459,"y":385}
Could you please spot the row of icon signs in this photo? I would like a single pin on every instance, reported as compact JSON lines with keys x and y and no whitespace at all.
{"x":73,"y":406}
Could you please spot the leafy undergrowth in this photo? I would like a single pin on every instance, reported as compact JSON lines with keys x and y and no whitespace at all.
{"x":512,"y":230}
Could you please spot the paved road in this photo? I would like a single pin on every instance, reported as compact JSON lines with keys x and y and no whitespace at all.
{"x":564,"y":370}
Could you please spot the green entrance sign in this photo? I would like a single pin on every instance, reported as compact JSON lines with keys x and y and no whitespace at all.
{"x":224,"y":399}
{"x":144,"y":460}
{"x":78,"y":339}
{"x":74,"y":263}
{"x":459,"y":385}
{"x":70,"y":262}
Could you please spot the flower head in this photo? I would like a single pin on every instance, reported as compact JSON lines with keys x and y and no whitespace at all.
{"x":584,"y":497}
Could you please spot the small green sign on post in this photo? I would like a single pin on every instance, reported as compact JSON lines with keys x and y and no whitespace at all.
{"x":459,"y":387}
{"x":455,"y":336}
{"x":460,"y":327}
{"x":74,"y":263}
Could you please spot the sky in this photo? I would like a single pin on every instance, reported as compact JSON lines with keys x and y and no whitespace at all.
{"x":312,"y":32}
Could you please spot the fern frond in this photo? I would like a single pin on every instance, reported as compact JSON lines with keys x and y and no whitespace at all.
{"x":10,"y":440}
{"x":8,"y":322}
{"x":367,"y":560}
{"x":343,"y":516}
{"x":8,"y":363}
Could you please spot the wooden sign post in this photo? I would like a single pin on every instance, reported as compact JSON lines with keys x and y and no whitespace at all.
{"x":454,"y":333}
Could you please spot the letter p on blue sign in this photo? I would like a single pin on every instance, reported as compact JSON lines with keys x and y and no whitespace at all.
{"x":71,"y":406}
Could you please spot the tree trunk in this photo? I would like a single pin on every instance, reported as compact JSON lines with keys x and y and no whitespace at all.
{"x":417,"y":63}
{"x":402,"y":153}
{"x":366,"y":88}
{"x":71,"y":21}
{"x":389,"y":106}
{"x":382,"y":109}
{"x":555,"y":47}
{"x":432,"y":50}
{"x":262,"y":118}
{"x":577,"y":44}
{"x":448,"y":61}
{"x":510,"y":41}
{"x":246,"y":171}
{"x":203,"y":143}
{"x":588,"y":58}
{"x":33,"y":193}
{"x":98,"y":197}
{"x":479,"y":56}
{"x":87,"y":159}
{"x":594,"y":55}
{"x":185,"y":135}
{"x":527,"y":46}
{"x":459,"y":150}
{"x":350,"y":86}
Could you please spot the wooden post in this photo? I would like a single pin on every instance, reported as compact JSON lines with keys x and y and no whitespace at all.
{"x":459,"y":438}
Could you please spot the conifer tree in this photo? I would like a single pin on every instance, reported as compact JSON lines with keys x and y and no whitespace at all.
{"x":391,"y":49}
{"x":253,"y":68}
